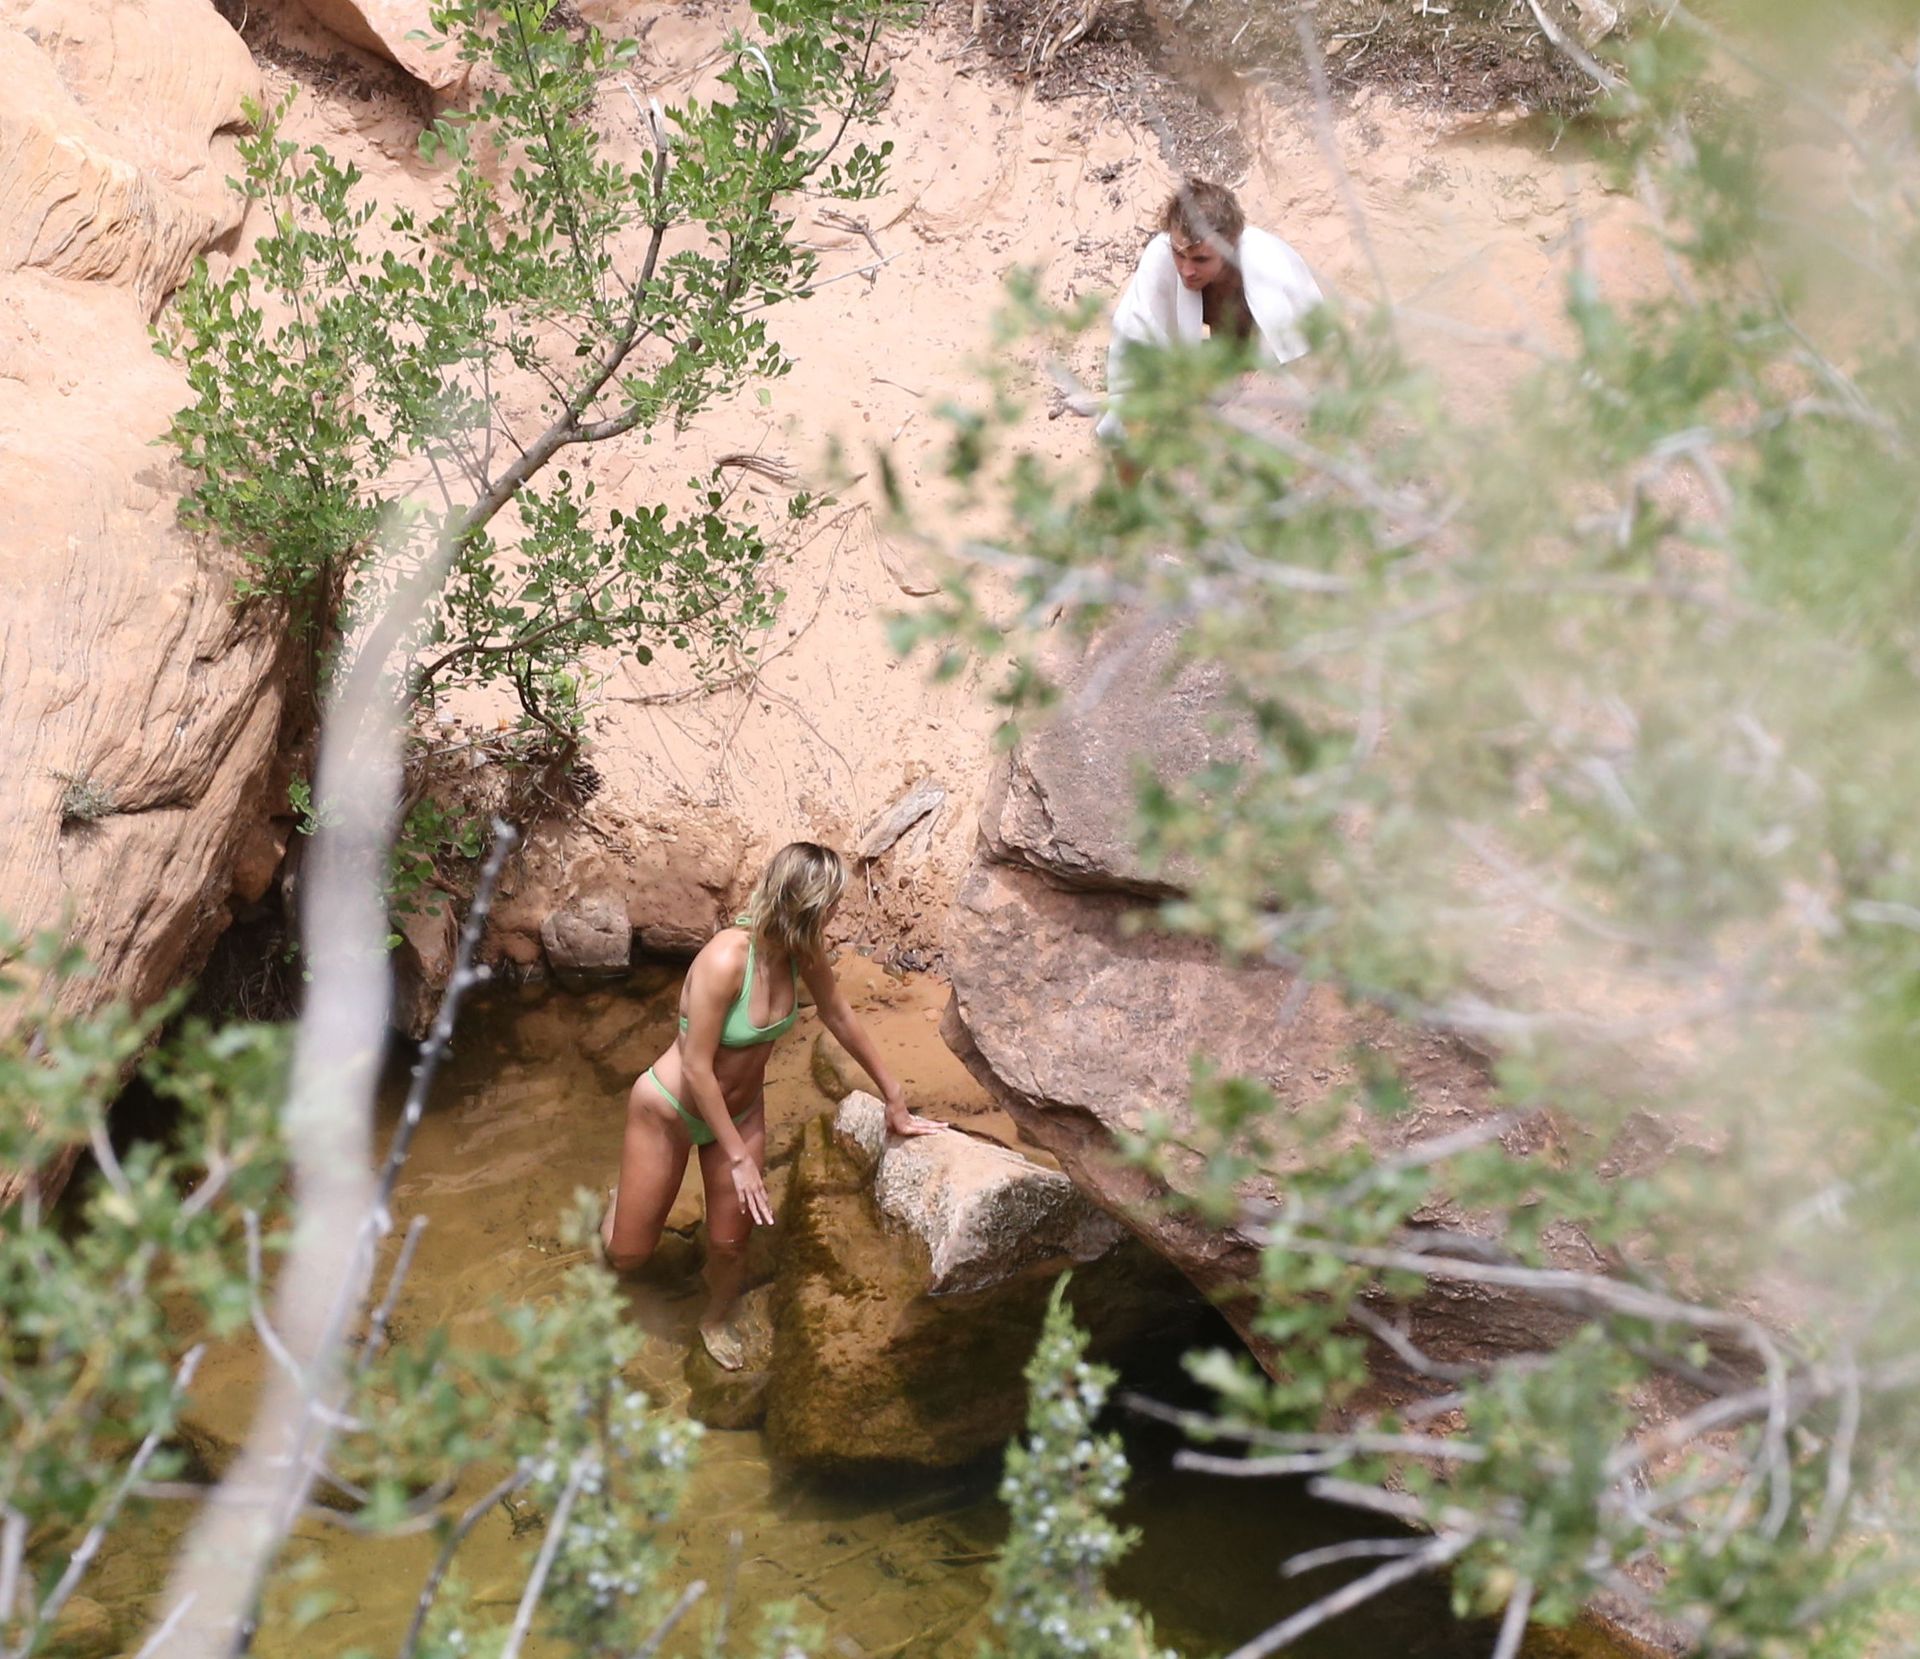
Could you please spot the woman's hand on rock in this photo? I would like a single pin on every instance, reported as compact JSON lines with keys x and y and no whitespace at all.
{"x":900,"y":1121}
{"x":751,"y":1189}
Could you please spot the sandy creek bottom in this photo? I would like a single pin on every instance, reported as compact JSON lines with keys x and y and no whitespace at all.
{"x":528,"y":1110}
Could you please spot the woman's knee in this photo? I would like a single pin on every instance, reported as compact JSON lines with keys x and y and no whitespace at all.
{"x":627,"y":1261}
{"x":726,"y":1245}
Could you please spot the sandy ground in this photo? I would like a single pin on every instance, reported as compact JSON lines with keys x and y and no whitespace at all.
{"x":1469,"y":222}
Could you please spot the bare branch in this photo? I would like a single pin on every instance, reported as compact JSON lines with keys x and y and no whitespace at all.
{"x":665,"y":1628}
{"x":1582,"y":1289}
{"x":1436,"y":1554}
{"x":1402,"y":1345}
{"x":1334,"y":1449}
{"x":82,"y":1557}
{"x":377,"y":1326}
{"x":1833,"y":1505}
{"x":1571,"y":49}
{"x":1358,"y":1549}
{"x":163,"y":1631}
{"x":471,"y":1518}
{"x":1513,"y":1628}
{"x":13,"y":1549}
{"x":1354,"y":1495}
{"x":104,"y":1155}
{"x":543,"y":1563}
{"x":1330,"y":150}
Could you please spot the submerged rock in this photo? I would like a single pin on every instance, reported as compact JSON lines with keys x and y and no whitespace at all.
{"x":724,"y":1399}
{"x":835,"y":1072}
{"x":910,"y":1293}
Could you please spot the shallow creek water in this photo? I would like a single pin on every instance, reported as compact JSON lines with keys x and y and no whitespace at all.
{"x":527,"y":1111}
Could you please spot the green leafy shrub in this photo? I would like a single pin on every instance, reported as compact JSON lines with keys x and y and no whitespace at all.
{"x":346,"y":431}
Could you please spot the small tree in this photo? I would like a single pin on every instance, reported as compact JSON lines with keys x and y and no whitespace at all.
{"x":347,"y":428}
{"x":1629,"y":660}
{"x":1050,"y":1596}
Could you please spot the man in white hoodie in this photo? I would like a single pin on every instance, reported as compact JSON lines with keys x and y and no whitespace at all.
{"x":1209,"y":272}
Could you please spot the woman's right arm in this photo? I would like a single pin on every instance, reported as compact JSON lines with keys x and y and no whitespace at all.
{"x":713,"y":983}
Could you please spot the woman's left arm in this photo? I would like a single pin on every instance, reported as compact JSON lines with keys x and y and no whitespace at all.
{"x":837,"y":1015}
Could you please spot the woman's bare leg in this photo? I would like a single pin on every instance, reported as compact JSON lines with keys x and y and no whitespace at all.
{"x":653,"y":1160}
{"x":727,"y":1228}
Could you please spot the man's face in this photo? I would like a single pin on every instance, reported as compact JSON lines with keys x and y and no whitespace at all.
{"x":1198,"y":263}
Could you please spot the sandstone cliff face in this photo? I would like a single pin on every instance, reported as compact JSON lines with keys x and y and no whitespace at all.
{"x":115,"y":140}
{"x":142,"y":707}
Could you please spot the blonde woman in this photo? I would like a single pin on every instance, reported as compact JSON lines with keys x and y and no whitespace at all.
{"x":707,"y":1091}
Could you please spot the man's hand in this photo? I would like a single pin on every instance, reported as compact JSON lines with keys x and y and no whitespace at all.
{"x":751,"y":1190}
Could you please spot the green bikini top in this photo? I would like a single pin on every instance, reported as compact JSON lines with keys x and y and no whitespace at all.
{"x":739,"y":1031}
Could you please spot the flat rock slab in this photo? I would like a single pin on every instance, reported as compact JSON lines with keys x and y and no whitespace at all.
{"x":1084,"y":1020}
{"x":984,"y":1213}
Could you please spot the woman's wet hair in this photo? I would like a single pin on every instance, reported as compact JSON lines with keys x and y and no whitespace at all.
{"x":1199,"y":208}
{"x":789,"y":904}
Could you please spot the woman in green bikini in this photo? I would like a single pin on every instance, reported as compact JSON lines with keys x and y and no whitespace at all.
{"x":741,"y":994}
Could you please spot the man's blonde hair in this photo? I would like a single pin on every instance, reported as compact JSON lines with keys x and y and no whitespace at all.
{"x":789,"y":904}
{"x":1198,"y":209}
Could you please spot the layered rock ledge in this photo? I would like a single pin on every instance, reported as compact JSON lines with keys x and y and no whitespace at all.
{"x":1083,"y":1018}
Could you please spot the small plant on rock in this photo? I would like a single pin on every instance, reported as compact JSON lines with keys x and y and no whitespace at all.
{"x":84,"y":800}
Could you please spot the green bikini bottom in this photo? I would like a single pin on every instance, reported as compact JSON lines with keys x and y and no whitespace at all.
{"x":697,"y":1127}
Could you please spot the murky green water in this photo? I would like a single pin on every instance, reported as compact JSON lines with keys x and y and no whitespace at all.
{"x":529,"y":1110}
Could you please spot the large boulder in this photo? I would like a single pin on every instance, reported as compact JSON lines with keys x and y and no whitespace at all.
{"x":143,"y":703}
{"x":912,"y":1282}
{"x":116,"y":141}
{"x":983,"y":1213}
{"x":1083,"y":1017}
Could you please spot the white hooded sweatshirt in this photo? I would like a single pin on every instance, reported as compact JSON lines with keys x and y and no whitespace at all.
{"x":1158,"y":308}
